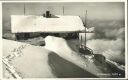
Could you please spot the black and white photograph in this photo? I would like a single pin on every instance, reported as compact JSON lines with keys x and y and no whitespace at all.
{"x":63,"y":40}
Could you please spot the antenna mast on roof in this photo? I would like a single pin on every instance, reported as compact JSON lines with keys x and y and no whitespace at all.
{"x":24,"y":8}
{"x":63,"y":10}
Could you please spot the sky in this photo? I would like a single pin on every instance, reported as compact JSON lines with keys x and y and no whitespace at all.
{"x":107,"y":11}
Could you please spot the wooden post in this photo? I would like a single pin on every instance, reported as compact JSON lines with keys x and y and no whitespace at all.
{"x":85,"y":27}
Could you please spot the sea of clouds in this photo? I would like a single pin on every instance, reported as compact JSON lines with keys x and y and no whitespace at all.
{"x":108,"y":40}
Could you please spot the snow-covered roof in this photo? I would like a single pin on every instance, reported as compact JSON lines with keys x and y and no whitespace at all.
{"x":31,"y":23}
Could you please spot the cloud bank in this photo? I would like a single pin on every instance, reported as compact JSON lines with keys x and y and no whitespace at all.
{"x":108,"y":40}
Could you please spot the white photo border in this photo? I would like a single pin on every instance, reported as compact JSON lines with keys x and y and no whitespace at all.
{"x":52,"y":1}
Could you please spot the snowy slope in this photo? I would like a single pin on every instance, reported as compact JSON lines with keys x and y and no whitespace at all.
{"x":56,"y":59}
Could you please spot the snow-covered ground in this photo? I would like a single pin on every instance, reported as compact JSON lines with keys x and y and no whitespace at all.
{"x":57,"y":58}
